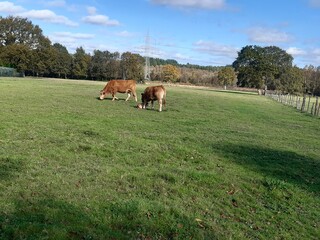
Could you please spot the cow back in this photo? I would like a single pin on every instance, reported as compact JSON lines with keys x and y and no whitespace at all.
{"x":154,"y":93}
{"x":121,"y":86}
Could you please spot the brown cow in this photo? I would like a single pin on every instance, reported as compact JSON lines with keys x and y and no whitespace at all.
{"x":152,"y":94}
{"x":120,"y":86}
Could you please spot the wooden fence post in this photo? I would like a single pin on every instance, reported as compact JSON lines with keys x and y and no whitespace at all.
{"x":289,"y":100}
{"x":308,"y":104}
{"x":316,"y":106}
{"x":286,"y":101}
{"x":303,"y":103}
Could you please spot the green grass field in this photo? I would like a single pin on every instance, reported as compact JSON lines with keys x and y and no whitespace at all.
{"x":213,"y":165}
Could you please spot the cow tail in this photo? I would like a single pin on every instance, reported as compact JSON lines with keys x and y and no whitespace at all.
{"x":164,"y":99}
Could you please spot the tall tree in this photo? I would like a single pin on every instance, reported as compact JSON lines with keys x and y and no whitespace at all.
{"x":227,"y":76}
{"x":113,"y":65}
{"x":62,"y":61}
{"x":291,"y":80}
{"x":17,"y":30}
{"x":18,"y":38}
{"x":260,"y":66}
{"x":132,"y":66}
{"x":104,"y":65}
{"x":170,"y":73}
{"x":312,"y":79}
{"x":17,"y":56}
{"x":97,"y":69}
{"x":42,"y":58}
{"x":80,"y":64}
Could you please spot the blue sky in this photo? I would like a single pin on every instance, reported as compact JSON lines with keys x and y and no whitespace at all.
{"x":204,"y":32}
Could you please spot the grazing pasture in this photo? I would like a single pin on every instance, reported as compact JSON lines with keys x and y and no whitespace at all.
{"x":212,"y":165}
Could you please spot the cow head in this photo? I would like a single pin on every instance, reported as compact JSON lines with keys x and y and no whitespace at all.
{"x":144,"y":100}
{"x":102,"y":94}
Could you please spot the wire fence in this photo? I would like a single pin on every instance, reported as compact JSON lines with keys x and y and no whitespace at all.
{"x":307,"y":103}
{"x":9,"y":72}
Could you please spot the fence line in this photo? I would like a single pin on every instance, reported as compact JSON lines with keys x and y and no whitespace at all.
{"x":9,"y":72}
{"x":307,"y":103}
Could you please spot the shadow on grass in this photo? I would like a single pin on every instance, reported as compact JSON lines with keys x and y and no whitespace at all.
{"x":48,"y":218}
{"x":110,"y":99}
{"x":45,"y":219}
{"x":286,"y":166}
{"x":154,"y":221}
{"x":10,"y":167}
{"x":150,"y":109}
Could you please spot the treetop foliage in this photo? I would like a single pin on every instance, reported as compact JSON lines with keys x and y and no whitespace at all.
{"x":17,"y":30}
{"x":170,"y":73}
{"x":227,"y":76}
{"x":259,"y":66}
{"x":158,"y":61}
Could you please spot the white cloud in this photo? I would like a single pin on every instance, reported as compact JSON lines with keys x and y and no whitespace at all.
{"x":303,"y":57}
{"x":44,"y":15}
{"x":296,"y":51}
{"x":267,"y":35}
{"x":48,"y":16}
{"x":220,"y":54}
{"x":74,"y":35}
{"x":216,"y":49}
{"x":205,"y":4}
{"x":124,"y":34}
{"x":100,"y":20}
{"x":66,"y":41}
{"x":97,"y":19}
{"x":9,"y":7}
{"x":71,"y":40}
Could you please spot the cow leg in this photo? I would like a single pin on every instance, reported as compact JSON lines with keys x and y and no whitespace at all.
{"x":160,"y":105}
{"x":114,"y":97}
{"x":135,"y":96}
{"x":128,"y":96}
{"x":152,"y":104}
{"x":144,"y":104}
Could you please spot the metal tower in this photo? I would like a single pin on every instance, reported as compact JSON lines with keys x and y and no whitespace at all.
{"x":147,"y":60}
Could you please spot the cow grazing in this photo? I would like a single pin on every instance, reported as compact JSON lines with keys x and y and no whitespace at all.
{"x":119,"y":86}
{"x":154,"y":93}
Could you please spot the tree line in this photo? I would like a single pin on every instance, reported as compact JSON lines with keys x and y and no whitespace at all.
{"x":159,"y":61}
{"x":24,"y":47}
{"x":272,"y":68}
